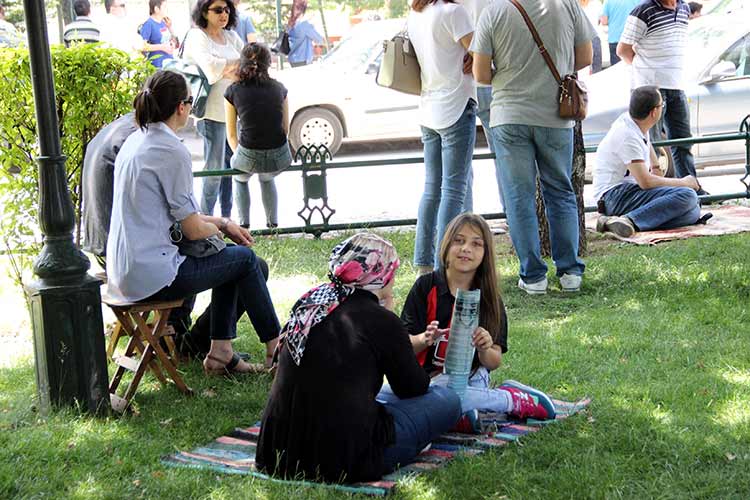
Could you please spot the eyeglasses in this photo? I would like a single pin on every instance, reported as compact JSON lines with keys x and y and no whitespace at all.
{"x":220,"y":10}
{"x":189,"y":100}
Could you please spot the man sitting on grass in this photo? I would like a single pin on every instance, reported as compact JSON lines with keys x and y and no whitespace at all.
{"x":630,"y":187}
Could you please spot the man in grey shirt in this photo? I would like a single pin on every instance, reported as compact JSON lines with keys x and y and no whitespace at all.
{"x":529,"y":136}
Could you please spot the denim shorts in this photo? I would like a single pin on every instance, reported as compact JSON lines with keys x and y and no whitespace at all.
{"x":270,"y":162}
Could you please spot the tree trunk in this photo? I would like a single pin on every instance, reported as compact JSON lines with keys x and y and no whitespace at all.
{"x":579,"y":169}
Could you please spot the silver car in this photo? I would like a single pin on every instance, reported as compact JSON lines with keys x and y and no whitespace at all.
{"x":718,"y":89}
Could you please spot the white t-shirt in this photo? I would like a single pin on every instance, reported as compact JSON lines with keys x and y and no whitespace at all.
{"x":153,"y":189}
{"x":659,"y":38}
{"x":212,"y":58}
{"x":475,"y":9}
{"x":435,"y":34}
{"x":624,"y":143}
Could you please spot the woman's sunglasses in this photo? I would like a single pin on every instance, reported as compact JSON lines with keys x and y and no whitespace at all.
{"x":220,"y":10}
{"x":189,"y":100}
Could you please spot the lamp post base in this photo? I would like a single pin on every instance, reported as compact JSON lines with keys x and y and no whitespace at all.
{"x":69,"y":345}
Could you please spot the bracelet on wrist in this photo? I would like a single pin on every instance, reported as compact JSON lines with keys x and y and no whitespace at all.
{"x":223,"y":225}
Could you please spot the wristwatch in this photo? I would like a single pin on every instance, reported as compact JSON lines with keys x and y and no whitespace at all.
{"x":224,"y":223}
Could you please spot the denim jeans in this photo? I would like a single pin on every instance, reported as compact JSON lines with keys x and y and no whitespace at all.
{"x":478,"y":396}
{"x":675,"y":121}
{"x":596,"y":64}
{"x":484,"y":101}
{"x":520,"y":152}
{"x":447,"y":161}
{"x":657,"y":208}
{"x":236,"y":283}
{"x":267,"y":163}
{"x":217,"y":155}
{"x":417,"y":422}
{"x":613,"y":57}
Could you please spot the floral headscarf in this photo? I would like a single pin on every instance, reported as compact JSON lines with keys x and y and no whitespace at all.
{"x":364,"y":261}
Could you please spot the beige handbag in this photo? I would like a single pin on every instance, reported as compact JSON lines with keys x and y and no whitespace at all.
{"x":399,"y":68}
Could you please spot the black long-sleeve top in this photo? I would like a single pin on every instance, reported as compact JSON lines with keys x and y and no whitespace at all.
{"x":321,"y":419}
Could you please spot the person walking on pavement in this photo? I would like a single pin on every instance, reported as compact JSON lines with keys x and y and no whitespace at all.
{"x":614,"y":15}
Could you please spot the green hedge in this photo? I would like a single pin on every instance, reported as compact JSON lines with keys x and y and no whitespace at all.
{"x":93,"y":85}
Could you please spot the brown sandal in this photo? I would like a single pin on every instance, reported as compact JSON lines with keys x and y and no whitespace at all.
{"x":228,"y":368}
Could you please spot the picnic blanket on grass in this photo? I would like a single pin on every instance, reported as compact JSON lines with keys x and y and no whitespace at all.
{"x":235,"y":453}
{"x":727,"y":219}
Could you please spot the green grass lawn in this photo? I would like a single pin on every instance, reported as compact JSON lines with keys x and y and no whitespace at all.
{"x":658,"y":337}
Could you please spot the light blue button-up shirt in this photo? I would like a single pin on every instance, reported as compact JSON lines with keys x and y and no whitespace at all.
{"x":153,"y":188}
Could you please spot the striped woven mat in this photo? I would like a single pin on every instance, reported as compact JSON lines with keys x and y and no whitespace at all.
{"x":235,"y":453}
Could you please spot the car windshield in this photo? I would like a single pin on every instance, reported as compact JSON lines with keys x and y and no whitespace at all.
{"x":703,"y":41}
{"x":354,"y":51}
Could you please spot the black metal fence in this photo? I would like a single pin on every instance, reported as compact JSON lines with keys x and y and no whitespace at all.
{"x":314,"y":162}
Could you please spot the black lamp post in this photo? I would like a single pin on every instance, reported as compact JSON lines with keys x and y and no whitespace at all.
{"x":71,"y":366}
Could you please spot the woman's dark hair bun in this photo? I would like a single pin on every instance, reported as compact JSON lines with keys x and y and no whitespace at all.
{"x":159,"y":97}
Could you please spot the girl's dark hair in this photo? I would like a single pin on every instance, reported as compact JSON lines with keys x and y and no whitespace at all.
{"x":200,"y":11}
{"x":419,"y":5}
{"x":161,"y":95}
{"x":255,"y":59}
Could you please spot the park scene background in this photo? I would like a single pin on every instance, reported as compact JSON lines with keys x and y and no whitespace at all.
{"x":657,"y":337}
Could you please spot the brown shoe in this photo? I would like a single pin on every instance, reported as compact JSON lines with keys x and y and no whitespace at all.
{"x":621,"y":226}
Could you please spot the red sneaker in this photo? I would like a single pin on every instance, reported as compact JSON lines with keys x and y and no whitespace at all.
{"x":529,"y":402}
{"x":468,"y":423}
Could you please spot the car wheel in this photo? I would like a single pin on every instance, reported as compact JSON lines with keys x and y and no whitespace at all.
{"x":316,"y":126}
{"x":666,"y":154}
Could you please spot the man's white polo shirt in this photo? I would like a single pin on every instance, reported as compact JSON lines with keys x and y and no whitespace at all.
{"x":624,"y":143}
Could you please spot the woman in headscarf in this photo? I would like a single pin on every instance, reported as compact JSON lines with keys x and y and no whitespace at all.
{"x":322,"y":419}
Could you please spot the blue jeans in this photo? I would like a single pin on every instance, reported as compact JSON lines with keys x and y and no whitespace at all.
{"x":217,"y":155}
{"x":484,"y":101}
{"x":267,"y":163}
{"x":417,"y":422}
{"x":657,"y":208}
{"x":521,"y":151}
{"x":613,"y":57}
{"x":447,"y":161}
{"x":675,"y":121}
{"x":478,"y":396}
{"x":236,"y":283}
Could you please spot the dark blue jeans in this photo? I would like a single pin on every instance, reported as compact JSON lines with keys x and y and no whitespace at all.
{"x":417,"y":422}
{"x":657,"y":208}
{"x":237,"y":285}
{"x":613,"y":57}
{"x":675,"y":121}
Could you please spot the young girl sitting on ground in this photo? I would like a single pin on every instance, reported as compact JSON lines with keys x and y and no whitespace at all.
{"x":467,"y":261}
{"x":260,"y":102}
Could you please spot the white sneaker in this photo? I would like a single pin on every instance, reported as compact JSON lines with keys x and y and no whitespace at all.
{"x":539,"y":288}
{"x":570,"y":282}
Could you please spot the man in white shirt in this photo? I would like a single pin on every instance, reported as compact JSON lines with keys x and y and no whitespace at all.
{"x":116,"y":30}
{"x":630,"y":188}
{"x":654,"y":42}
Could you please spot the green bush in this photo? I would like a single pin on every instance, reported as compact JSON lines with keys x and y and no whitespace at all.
{"x":93,"y":86}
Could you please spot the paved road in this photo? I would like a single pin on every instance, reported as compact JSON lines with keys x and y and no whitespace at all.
{"x":388,"y":192}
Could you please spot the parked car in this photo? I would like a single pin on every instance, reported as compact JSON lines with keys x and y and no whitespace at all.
{"x":338,"y":98}
{"x":718,"y":89}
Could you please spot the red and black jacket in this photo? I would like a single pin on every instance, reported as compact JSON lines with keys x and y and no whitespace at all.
{"x":429,"y":299}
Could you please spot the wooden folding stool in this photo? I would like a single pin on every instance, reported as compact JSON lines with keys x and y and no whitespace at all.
{"x":144,"y":350}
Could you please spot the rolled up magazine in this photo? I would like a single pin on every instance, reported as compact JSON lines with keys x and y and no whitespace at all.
{"x":460,"y":351}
